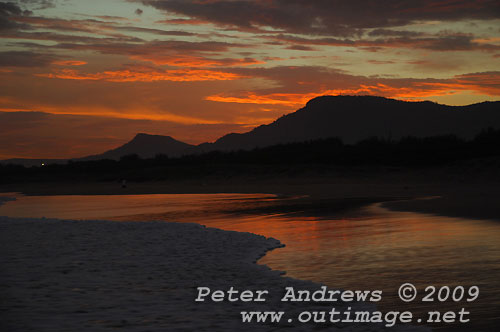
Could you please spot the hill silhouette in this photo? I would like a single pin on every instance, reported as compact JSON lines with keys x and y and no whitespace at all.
{"x":145,"y":146}
{"x":349,"y":118}
{"x":354,"y":118}
{"x":480,"y":155}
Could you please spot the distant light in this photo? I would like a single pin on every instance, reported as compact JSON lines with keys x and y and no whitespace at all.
{"x":43,"y":164}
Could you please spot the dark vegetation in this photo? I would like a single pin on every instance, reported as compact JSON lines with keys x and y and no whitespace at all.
{"x":292,"y":158}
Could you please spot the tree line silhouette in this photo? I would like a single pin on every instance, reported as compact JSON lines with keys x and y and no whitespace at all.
{"x":407,"y":152}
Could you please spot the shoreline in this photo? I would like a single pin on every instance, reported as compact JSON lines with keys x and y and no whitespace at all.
{"x":470,"y":199}
{"x":255,"y":277}
{"x":97,"y":275}
{"x":471,"y":207}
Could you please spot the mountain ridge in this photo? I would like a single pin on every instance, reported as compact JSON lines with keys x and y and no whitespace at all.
{"x":355,"y":121}
{"x":351,"y":118}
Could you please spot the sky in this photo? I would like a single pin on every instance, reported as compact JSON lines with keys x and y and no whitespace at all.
{"x":81,"y":77}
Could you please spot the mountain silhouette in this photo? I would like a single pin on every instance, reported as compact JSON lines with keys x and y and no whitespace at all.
{"x":145,"y":146}
{"x":350,"y":118}
{"x":354,"y":118}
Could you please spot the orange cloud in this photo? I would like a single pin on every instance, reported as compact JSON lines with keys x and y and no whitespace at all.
{"x":285,"y":99}
{"x":127,"y":75}
{"x":137,"y":114}
{"x":69,"y":63}
{"x":195,"y":61}
{"x":488,"y":83}
{"x":484,"y":83}
{"x":44,"y":135}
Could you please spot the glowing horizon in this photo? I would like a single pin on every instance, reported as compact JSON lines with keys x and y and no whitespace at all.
{"x":195,"y":70}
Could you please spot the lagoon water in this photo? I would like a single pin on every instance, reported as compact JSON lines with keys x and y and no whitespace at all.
{"x":371,"y":248}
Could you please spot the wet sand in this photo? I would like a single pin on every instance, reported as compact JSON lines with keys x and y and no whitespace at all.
{"x":120,"y":261}
{"x":474,"y":205}
{"x":475,"y":196}
{"x":60,"y":275}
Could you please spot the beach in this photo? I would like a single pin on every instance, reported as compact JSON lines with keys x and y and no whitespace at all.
{"x":60,"y":275}
{"x":462,"y":190}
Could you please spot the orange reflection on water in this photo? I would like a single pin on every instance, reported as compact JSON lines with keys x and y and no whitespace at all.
{"x":370,"y":249}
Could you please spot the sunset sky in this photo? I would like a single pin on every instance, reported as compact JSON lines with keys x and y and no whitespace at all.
{"x":79,"y":77}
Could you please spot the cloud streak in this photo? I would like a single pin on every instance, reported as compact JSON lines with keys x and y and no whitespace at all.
{"x":298,"y":85}
{"x":25,"y":59}
{"x":144,"y":75}
{"x":327,"y":17}
{"x":240,"y":62}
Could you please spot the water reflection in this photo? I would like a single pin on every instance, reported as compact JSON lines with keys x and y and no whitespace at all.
{"x":125,"y":207}
{"x":371,"y":248}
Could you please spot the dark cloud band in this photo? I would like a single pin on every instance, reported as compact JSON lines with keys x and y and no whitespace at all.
{"x":328,"y":17}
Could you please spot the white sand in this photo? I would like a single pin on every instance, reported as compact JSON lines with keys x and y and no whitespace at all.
{"x":128,"y":276}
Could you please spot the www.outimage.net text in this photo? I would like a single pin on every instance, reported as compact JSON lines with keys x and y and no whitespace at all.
{"x":407,"y":293}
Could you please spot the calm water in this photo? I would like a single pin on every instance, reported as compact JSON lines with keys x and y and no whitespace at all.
{"x":371,"y":248}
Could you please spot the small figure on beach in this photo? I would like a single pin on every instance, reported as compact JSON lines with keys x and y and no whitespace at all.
{"x":124,"y":183}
